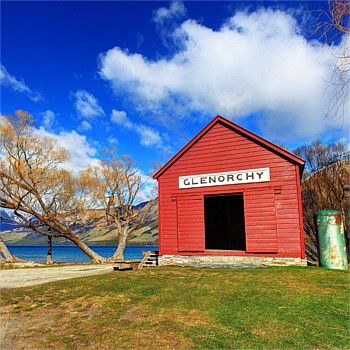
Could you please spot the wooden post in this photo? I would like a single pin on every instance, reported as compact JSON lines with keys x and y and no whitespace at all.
{"x":49,"y":249}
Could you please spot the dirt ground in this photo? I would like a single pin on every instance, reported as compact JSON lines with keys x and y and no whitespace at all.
{"x":24,"y":277}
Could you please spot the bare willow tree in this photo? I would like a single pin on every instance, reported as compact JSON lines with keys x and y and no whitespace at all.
{"x":6,"y":255}
{"x":117,"y":185}
{"x":33,"y":184}
{"x":325,"y":185}
{"x":332,"y":25}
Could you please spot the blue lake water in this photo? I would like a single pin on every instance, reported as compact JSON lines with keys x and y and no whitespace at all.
{"x":72,"y":254}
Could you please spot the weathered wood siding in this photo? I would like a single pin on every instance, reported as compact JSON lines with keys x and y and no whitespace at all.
{"x":272,"y":209}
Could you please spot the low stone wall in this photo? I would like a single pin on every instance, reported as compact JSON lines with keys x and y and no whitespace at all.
{"x":228,"y":261}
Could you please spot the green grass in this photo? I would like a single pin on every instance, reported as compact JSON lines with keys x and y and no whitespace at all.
{"x":184,"y":308}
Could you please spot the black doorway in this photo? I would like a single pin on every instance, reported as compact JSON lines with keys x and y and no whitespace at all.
{"x":224,"y":222}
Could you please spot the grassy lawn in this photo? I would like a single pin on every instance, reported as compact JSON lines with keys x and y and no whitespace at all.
{"x":183,"y":308}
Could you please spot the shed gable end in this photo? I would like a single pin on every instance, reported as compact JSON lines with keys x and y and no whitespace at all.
{"x":222,"y":149}
{"x":235,"y":129}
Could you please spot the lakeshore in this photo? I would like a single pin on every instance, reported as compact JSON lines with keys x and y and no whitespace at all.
{"x":72,"y":254}
{"x":27,"y":277}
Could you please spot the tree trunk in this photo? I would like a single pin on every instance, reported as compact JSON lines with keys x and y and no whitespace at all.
{"x":49,"y":251}
{"x":9,"y":257}
{"x":95,"y":258}
{"x":119,"y":254}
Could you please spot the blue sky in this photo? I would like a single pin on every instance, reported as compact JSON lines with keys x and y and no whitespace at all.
{"x":148,"y":76}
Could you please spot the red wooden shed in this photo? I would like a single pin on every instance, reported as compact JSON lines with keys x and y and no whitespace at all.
{"x":230,"y":193}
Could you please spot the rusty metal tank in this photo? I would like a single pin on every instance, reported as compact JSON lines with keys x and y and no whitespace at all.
{"x":331,"y":240}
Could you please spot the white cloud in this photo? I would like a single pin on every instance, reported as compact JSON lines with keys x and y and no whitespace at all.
{"x":148,"y":136}
{"x":87,"y":105}
{"x":175,"y":10}
{"x":84,"y":126}
{"x":255,"y":63}
{"x":167,"y":20}
{"x":149,"y":189}
{"x":81,"y":152}
{"x":120,"y":118}
{"x":16,"y":85}
{"x":48,"y":119}
{"x":112,"y":140}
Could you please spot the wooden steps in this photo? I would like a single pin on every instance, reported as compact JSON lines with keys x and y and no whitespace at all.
{"x":124,"y":265}
{"x":150,"y":259}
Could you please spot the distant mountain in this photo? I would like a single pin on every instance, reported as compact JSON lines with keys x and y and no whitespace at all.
{"x":93,"y":234}
{"x":140,"y":205}
{"x":6,"y":220}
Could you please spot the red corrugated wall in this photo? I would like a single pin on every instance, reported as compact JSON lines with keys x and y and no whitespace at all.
{"x":272,"y":209}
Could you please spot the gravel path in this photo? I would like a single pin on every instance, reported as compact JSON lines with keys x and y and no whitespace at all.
{"x":24,"y":277}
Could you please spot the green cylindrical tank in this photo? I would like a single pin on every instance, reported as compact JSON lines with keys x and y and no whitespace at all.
{"x":331,"y":240}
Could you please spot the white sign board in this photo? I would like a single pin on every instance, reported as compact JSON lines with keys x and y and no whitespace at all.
{"x":226,"y":178}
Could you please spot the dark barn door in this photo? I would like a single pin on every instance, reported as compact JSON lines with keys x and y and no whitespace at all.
{"x":224,"y":222}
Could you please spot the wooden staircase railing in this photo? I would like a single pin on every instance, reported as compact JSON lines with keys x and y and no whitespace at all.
{"x":150,"y":259}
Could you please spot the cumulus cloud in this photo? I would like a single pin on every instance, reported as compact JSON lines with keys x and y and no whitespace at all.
{"x":120,"y":118}
{"x":256,"y":63}
{"x":17,"y":85}
{"x":176,"y":10}
{"x":48,"y":119}
{"x":149,"y":188}
{"x":81,"y":152}
{"x":112,"y":140}
{"x":87,"y":104}
{"x":85,"y":126}
{"x":148,"y":136}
